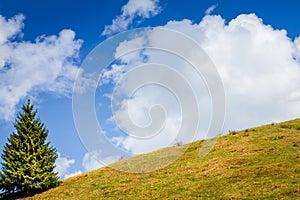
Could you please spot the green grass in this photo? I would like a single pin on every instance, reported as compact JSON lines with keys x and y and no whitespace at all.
{"x":257,"y":163}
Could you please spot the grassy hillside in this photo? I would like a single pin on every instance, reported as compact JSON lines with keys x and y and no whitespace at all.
{"x":261,"y":162}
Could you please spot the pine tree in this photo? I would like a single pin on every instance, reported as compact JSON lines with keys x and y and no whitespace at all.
{"x":28,"y":161}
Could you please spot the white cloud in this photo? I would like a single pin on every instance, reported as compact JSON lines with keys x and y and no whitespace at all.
{"x":72,"y":174}
{"x":46,"y":65}
{"x":95,"y":160}
{"x":139,"y":111}
{"x":62,"y":166}
{"x":85,"y":81}
{"x":259,"y":66}
{"x":114,"y":74}
{"x":256,"y":64}
{"x":134,"y":8}
{"x":10,"y":28}
{"x":297,"y":49}
{"x":210,"y":9}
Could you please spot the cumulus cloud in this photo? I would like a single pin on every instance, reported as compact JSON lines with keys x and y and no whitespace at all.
{"x":139,"y":115}
{"x":62,"y":166}
{"x":142,"y":9}
{"x":49,"y":64}
{"x":297,"y":49}
{"x":138,"y":109}
{"x":11,"y":27}
{"x":259,"y":66}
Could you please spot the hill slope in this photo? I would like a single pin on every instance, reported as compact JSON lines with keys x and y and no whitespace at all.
{"x":261,"y":162}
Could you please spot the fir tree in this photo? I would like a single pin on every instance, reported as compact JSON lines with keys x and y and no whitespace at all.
{"x":28,"y":161}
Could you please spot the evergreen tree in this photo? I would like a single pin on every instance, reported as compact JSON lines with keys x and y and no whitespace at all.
{"x":28,"y":161}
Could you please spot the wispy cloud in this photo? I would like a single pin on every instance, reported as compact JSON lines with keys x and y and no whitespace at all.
{"x":134,"y":8}
{"x":210,"y":9}
{"x":73,"y":174}
{"x":94,"y":160}
{"x":47,"y":65}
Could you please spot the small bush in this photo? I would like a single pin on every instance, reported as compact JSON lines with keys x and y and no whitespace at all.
{"x":297,"y":127}
{"x":232,"y":132}
{"x":286,"y":126}
{"x":178,"y":143}
{"x":279,"y":137}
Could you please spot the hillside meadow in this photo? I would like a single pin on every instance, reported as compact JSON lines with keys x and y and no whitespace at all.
{"x":256,"y":163}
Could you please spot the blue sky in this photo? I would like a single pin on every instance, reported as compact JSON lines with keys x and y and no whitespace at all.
{"x":84,"y":23}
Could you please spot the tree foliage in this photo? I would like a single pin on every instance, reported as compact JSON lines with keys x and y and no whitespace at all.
{"x":28,"y":161}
